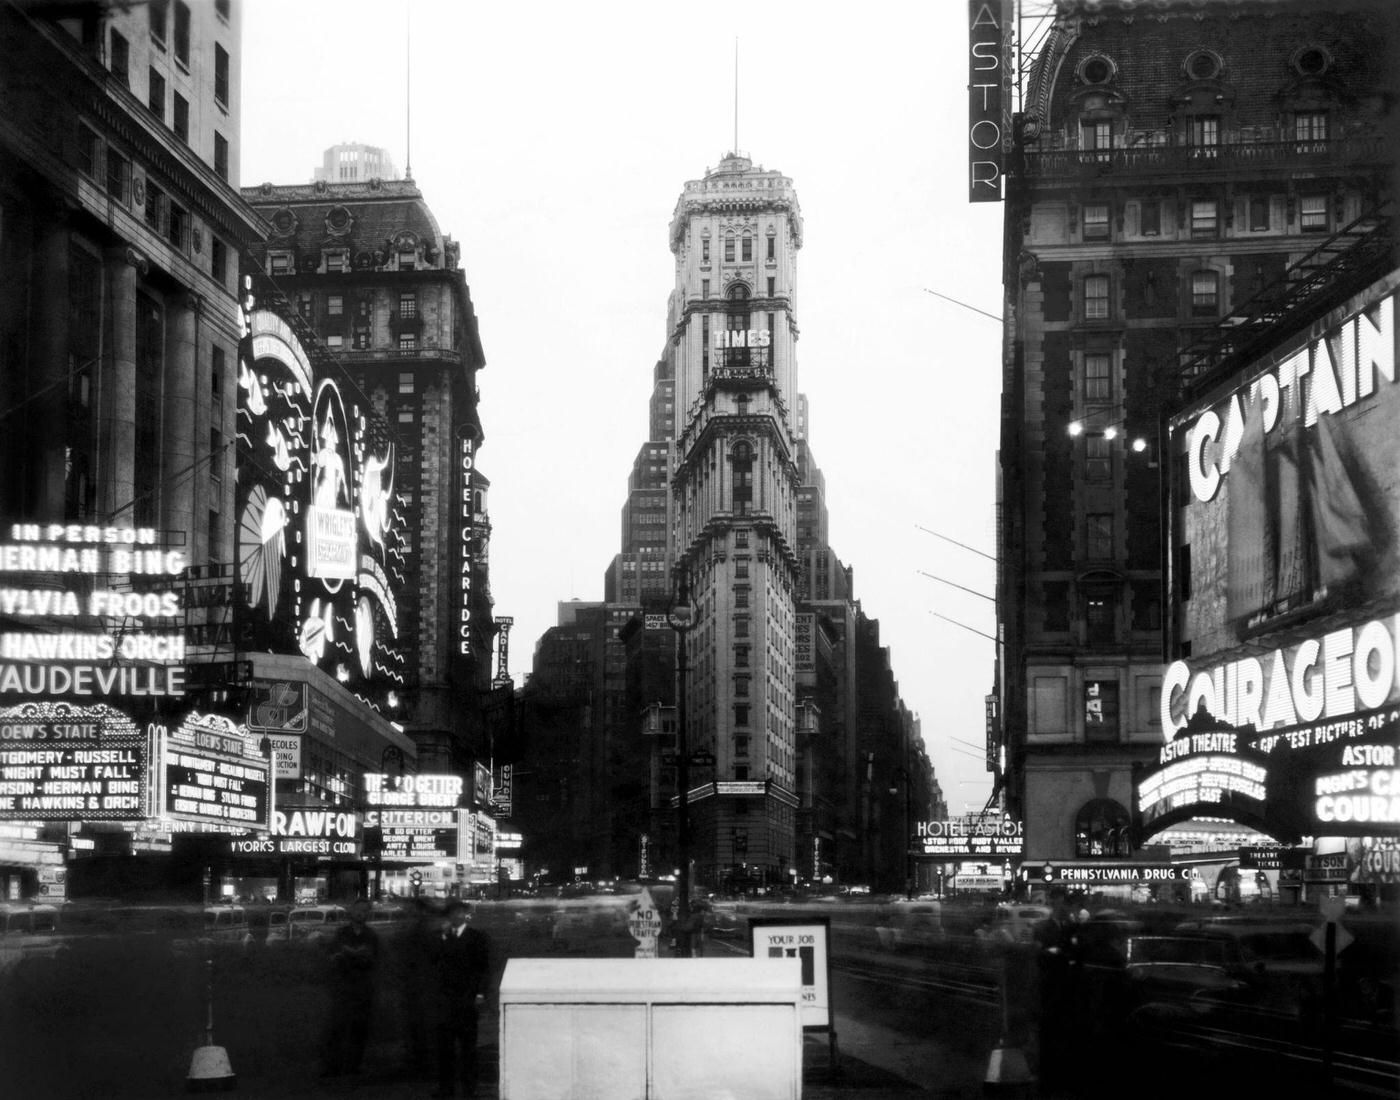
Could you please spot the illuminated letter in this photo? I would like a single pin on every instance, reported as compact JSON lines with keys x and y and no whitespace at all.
{"x":1205,"y":480}
{"x":1177,"y":677}
{"x":1373,"y":689}
{"x":1307,"y":700}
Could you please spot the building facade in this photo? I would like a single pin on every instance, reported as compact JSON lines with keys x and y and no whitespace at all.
{"x":1170,"y":170}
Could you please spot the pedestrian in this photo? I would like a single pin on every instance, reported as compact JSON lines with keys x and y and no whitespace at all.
{"x":1057,"y":944}
{"x":463,"y":960}
{"x":354,"y":954}
{"x":416,"y":954}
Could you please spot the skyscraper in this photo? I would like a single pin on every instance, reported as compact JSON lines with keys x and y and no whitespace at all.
{"x":735,"y":235}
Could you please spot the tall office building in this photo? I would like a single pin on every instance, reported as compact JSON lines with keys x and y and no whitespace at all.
{"x":1176,"y":170}
{"x":735,"y":235}
{"x":355,"y":162}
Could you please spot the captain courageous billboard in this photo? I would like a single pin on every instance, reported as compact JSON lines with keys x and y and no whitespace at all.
{"x":322,"y":543}
{"x":1285,"y":525}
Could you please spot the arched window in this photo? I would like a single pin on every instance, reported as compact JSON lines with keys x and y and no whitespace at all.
{"x":742,"y":459}
{"x":1102,"y":829}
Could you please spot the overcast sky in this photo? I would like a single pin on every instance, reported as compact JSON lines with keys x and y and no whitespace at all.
{"x":552,"y":141}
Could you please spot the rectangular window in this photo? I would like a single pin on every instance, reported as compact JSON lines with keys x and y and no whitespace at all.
{"x":180,"y":119}
{"x":335,"y":340}
{"x":155,"y":94}
{"x":157,"y":11}
{"x":335,"y":305}
{"x":182,"y":33}
{"x":214,"y":534}
{"x":220,"y":75}
{"x":741,"y":687}
{"x":741,"y":569}
{"x":1096,"y":136}
{"x":1095,"y":297}
{"x":120,"y":59}
{"x":408,"y":260}
{"x":1097,"y":380}
{"x":408,"y":306}
{"x":1101,"y":710}
{"x":1205,"y":293}
{"x":1098,"y":458}
{"x":89,"y":152}
{"x":741,"y":627}
{"x":154,"y":198}
{"x":178,"y":227}
{"x":729,"y":250}
{"x":335,"y":262}
{"x":705,"y":290}
{"x":1312,"y":213}
{"x":280,"y":263}
{"x":221,"y":9}
{"x":1099,"y":534}
{"x":304,"y":306}
{"x":771,"y":283}
{"x":1204,"y":218}
{"x":741,"y":596}
{"x":741,"y":746}
{"x":1096,"y":222}
{"x":1205,"y":135}
{"x":771,"y":245}
{"x":118,"y":175}
{"x":1150,"y":218}
{"x":408,"y":341}
{"x":221,"y":156}
{"x":218,"y":260}
{"x":741,"y":656}
{"x":1310,"y":131}
{"x":705,"y":250}
{"x":746,"y":249}
{"x":1258,"y":213}
{"x":361,"y":340}
{"x":216,"y":457}
{"x":741,"y":714}
{"x":216,"y":375}
{"x":405,"y":382}
{"x":741,"y":539}
{"x":1100,"y":613}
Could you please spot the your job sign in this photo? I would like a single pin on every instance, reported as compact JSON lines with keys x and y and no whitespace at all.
{"x":809,"y":942}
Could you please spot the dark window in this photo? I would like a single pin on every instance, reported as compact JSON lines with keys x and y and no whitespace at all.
{"x":1205,"y":135}
{"x":1096,"y":222}
{"x":1096,"y":136}
{"x":741,"y":687}
{"x":220,"y":75}
{"x":729,"y":250}
{"x":705,"y":250}
{"x":89,"y":152}
{"x":1183,"y":572}
{"x":1098,"y":384}
{"x":118,"y":175}
{"x":746,"y":249}
{"x":221,"y":7}
{"x":1310,"y":131}
{"x":1258,"y":213}
{"x":741,"y":627}
{"x":1095,"y":297}
{"x":1098,"y":459}
{"x":216,"y":457}
{"x":743,"y":477}
{"x":741,"y":596}
{"x":182,"y":33}
{"x":1147,"y":606}
{"x":218,"y":260}
{"x":180,"y":122}
{"x":158,"y":12}
{"x":1204,"y":218}
{"x":216,"y":375}
{"x":1056,"y":606}
{"x":741,"y":714}
{"x":771,"y":246}
{"x":1151,"y":218}
{"x":154,"y":200}
{"x":1312,"y":213}
{"x":155,"y":94}
{"x":1100,"y":614}
{"x":1205,"y":293}
{"x":221,"y":156}
{"x":1099,"y":531}
{"x":178,"y":227}
{"x":150,"y":357}
{"x":120,"y":59}
{"x":214,"y":534}
{"x":771,"y":283}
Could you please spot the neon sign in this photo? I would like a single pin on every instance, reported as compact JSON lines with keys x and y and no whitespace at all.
{"x":71,"y":763}
{"x":464,"y":615}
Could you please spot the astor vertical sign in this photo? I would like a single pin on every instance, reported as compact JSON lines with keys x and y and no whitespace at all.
{"x":986,"y":77}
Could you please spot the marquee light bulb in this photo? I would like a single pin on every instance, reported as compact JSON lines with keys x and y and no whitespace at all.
{"x":1076,"y":427}
{"x":1139,"y":445}
{"x":1110,"y":433}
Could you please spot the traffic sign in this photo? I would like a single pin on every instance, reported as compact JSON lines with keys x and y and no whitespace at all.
{"x":644,"y":925}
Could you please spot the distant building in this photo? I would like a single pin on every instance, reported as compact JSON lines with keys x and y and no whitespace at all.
{"x":353,"y":162}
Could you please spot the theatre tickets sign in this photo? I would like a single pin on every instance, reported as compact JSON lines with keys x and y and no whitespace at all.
{"x":91,"y":612}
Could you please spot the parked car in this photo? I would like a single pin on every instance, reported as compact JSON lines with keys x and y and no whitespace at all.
{"x":1280,"y":960}
{"x":27,"y":931}
{"x":911,"y":924}
{"x":314,"y":924}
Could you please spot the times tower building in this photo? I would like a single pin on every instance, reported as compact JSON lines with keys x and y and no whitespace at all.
{"x":732,"y":333}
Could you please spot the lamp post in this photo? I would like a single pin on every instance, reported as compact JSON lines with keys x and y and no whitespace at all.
{"x":681,"y":618}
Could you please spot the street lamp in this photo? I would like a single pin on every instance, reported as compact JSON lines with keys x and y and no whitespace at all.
{"x":681,"y":618}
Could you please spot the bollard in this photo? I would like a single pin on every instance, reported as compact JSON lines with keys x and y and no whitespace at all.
{"x":1008,"y":1070}
{"x":210,"y":1069}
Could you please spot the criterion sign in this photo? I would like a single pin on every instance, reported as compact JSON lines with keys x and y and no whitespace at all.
{"x":808,"y":941}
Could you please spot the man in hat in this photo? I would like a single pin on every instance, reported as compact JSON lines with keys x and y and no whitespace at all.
{"x":463,"y":961}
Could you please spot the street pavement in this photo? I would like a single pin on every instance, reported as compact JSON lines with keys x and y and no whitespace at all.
{"x":873,"y":1063}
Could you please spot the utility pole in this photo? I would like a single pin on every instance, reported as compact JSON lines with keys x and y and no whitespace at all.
{"x":681,"y":618}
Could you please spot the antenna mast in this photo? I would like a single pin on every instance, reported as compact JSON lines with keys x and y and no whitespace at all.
{"x":408,"y":90}
{"x":736,"y":94}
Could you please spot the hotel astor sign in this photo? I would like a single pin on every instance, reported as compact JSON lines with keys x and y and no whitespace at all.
{"x":987,"y":24}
